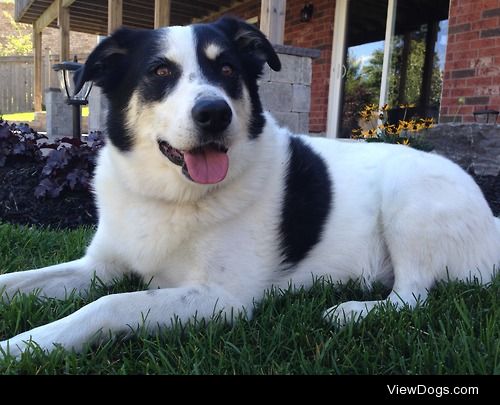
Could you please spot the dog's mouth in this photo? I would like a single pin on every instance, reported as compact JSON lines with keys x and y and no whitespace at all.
{"x":206,"y":164}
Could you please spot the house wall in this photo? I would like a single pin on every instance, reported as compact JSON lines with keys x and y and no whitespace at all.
{"x":472,"y":69}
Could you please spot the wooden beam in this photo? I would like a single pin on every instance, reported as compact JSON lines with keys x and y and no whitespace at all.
{"x":21,"y":6}
{"x":64,"y":27}
{"x":403,"y":70}
{"x":50,"y":14}
{"x":37,"y":62}
{"x":430,"y":42}
{"x":272,"y":20}
{"x":115,"y":15}
{"x":211,"y":16}
{"x":162,"y":13}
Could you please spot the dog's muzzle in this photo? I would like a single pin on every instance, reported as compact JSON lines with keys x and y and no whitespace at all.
{"x":206,"y":164}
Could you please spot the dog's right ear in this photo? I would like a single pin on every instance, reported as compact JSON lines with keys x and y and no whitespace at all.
{"x":107,"y":63}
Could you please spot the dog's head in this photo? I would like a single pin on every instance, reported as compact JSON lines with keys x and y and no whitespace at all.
{"x":183,"y":96}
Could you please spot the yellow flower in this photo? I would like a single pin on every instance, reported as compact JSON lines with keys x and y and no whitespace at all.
{"x":371,"y":107}
{"x":385,"y":107}
{"x":415,"y":126}
{"x":369,"y":133}
{"x":366,"y":115}
{"x":427,"y":123}
{"x":405,"y":125}
{"x":393,"y":129}
{"x":405,"y":142}
{"x":356,"y":133}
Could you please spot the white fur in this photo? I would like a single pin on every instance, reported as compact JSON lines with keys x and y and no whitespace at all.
{"x":399,"y":216}
{"x":212,"y":51}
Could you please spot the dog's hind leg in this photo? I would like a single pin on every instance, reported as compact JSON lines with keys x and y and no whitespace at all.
{"x":357,"y":310}
{"x":57,"y":281}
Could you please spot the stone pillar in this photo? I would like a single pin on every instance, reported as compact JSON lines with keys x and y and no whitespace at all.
{"x":59,"y":115}
{"x":98,"y":107}
{"x":287,"y":94}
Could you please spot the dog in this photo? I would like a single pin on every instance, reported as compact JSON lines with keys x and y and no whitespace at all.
{"x":200,"y":192}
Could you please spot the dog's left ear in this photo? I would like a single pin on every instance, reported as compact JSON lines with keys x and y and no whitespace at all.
{"x":250,"y":40}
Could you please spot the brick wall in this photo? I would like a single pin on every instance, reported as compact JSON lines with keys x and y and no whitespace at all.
{"x":315,"y":34}
{"x":472,"y":69}
{"x":79,"y":43}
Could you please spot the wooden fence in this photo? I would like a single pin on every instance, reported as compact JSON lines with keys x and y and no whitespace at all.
{"x":17,"y":81}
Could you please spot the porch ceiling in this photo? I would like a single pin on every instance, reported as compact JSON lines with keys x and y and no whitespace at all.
{"x":91,"y":16}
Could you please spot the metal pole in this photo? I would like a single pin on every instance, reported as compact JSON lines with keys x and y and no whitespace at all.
{"x":76,"y":121}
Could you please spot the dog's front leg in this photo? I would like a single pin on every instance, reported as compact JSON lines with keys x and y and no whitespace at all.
{"x":123,"y":313}
{"x":59,"y":280}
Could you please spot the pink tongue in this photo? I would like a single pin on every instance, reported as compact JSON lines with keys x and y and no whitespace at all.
{"x":207,"y":166}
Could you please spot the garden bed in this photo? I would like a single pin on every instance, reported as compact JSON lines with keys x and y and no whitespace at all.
{"x":18,"y":204}
{"x":75,"y":208}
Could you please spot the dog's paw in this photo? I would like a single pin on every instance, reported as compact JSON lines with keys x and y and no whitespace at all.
{"x":17,"y":345}
{"x":351,"y":311}
{"x":8,"y":349}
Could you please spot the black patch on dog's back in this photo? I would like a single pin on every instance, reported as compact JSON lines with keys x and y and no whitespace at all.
{"x":306,"y":204}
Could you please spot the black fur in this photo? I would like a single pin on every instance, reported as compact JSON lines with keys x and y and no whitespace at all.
{"x":247,"y":49}
{"x":307,"y":202}
{"x":212,"y":69}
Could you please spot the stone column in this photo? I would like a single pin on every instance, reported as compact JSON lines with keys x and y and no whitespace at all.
{"x":98,"y":107}
{"x":287,"y":94}
{"x":59,"y":115}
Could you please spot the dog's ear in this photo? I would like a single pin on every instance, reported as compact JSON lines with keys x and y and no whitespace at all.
{"x":107,"y":63}
{"x":249,"y":40}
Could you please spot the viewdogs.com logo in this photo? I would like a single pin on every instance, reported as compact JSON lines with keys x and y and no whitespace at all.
{"x":438,"y":392}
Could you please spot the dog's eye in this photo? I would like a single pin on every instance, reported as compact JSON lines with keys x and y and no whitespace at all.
{"x":227,"y":70}
{"x":163,"y":71}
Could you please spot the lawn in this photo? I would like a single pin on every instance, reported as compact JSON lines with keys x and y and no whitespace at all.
{"x":30,"y":116}
{"x":457,"y":332}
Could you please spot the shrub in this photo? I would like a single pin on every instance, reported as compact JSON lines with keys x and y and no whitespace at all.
{"x":18,"y":142}
{"x":69,"y":166}
{"x":409,"y":133}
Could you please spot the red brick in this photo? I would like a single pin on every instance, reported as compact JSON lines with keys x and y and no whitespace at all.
{"x":482,"y":43}
{"x":477,"y":100}
{"x":479,"y":81}
{"x":495,"y":104}
{"x":462,"y":92}
{"x":468,"y":54}
{"x":485,"y":24}
{"x":467,"y":36}
{"x":489,"y":51}
{"x":458,"y":64}
{"x":459,"y":46}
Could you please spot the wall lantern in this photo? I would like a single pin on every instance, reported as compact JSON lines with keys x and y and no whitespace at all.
{"x":67,"y":72}
{"x":306,"y":13}
{"x":485,"y":116}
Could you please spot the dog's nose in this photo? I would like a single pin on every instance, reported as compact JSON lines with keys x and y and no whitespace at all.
{"x":212,"y":115}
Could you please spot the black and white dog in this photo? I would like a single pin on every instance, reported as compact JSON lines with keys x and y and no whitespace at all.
{"x":199,"y":190}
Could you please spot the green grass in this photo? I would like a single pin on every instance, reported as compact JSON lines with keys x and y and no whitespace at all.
{"x":457,"y":332}
{"x":30,"y":116}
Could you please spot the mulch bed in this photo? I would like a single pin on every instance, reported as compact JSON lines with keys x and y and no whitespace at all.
{"x":18,"y":204}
